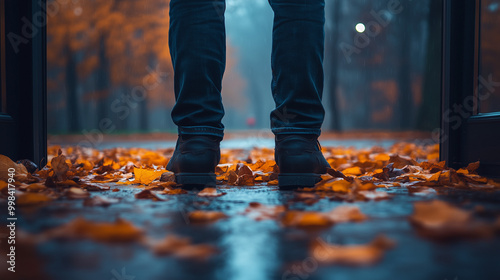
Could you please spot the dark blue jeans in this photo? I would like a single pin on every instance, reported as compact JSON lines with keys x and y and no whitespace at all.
{"x":197,"y":42}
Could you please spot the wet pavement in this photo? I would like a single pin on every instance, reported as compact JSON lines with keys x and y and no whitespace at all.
{"x":250,"y":249}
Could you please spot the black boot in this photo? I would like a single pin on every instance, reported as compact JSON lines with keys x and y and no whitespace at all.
{"x":300,"y":160}
{"x":195,"y":159}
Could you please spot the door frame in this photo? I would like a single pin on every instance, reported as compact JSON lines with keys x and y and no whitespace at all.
{"x":24,"y":81}
{"x":466,"y":135}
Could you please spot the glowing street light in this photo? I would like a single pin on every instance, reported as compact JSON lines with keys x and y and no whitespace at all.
{"x":360,"y":27}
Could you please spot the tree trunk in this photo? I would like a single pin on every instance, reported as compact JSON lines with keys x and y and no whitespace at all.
{"x":404,"y":73}
{"x":72,"y":106}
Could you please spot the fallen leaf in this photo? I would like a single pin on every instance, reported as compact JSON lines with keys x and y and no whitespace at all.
{"x":80,"y":228}
{"x":77,"y":193}
{"x":335,"y":173}
{"x":374,"y":195}
{"x":99,"y":201}
{"x":305,"y":219}
{"x":145,"y":176}
{"x":147,"y":194}
{"x":355,"y":171}
{"x":20,"y":173}
{"x":402,"y":161}
{"x":245,"y":180}
{"x":356,"y":255}
{"x":60,"y":167}
{"x":182,"y":248}
{"x":200,"y":216}
{"x":211,"y":192}
{"x":346,"y":213}
{"x":440,"y":220}
{"x":336,"y":185}
{"x":174,"y":191}
{"x":473,"y":166}
{"x":167,"y":177}
{"x":260,"y":212}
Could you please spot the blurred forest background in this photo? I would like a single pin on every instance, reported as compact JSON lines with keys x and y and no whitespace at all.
{"x":109,"y":66}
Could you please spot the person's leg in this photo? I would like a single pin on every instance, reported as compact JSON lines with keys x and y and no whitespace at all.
{"x":197,"y":42}
{"x":297,"y":87}
{"x":297,"y":66}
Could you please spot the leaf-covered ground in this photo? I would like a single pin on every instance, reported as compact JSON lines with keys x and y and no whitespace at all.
{"x":377,"y":214}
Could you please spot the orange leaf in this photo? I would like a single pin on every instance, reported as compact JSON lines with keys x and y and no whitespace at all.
{"x":200,"y":216}
{"x":145,"y":176}
{"x":358,"y":255}
{"x":210,"y":192}
{"x":118,"y":231}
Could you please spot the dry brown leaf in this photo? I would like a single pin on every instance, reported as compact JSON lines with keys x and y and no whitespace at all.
{"x":354,"y":171}
{"x":440,"y":220}
{"x":80,"y":228}
{"x":374,"y":195}
{"x":3,"y":185}
{"x":174,"y":191}
{"x":307,"y":198}
{"x":77,"y":193}
{"x":182,"y":248}
{"x":31,"y":199}
{"x":336,"y":185}
{"x":93,"y":187}
{"x":200,"y":216}
{"x":210,"y":192}
{"x":60,"y":167}
{"x":99,"y":201}
{"x":356,"y":255}
{"x":346,"y":213}
{"x":401,"y":161}
{"x":335,"y":173}
{"x":305,"y":219}
{"x":260,"y":212}
{"x":273,"y":183}
{"x":147,"y":194}
{"x":20,"y":173}
{"x":167,"y":177}
{"x":473,"y":166}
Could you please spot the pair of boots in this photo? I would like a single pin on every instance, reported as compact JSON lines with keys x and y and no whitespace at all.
{"x":299,"y":159}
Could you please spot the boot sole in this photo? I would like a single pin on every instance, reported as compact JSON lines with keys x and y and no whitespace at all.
{"x":298,"y":180}
{"x":195,"y":180}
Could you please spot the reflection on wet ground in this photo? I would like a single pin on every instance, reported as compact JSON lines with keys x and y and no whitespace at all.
{"x":250,"y":249}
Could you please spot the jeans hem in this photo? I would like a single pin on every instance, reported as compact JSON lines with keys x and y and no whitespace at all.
{"x":294,"y":130}
{"x":201,"y":130}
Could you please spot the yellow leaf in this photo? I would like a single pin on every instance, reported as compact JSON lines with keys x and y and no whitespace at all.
{"x":352,"y":171}
{"x":146,"y":176}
